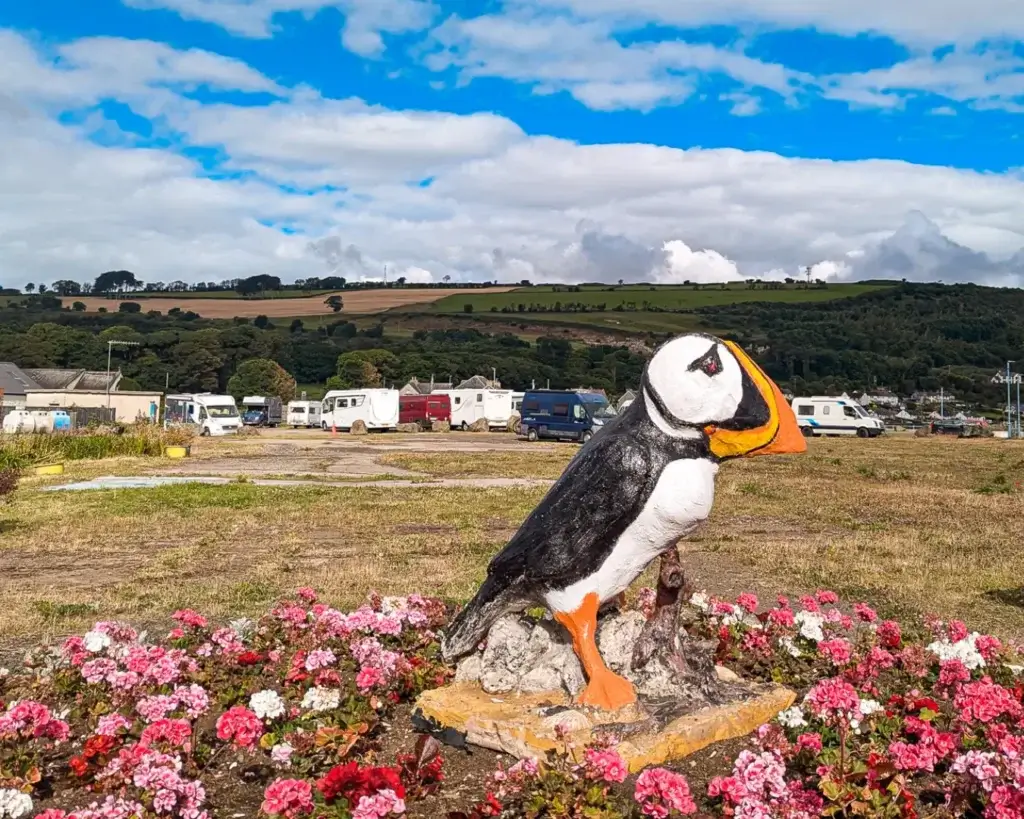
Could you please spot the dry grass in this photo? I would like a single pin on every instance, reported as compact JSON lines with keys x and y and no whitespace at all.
{"x":530,"y":463}
{"x":911,"y":525}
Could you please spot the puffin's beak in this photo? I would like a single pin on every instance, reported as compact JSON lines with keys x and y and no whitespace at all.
{"x":779,"y":434}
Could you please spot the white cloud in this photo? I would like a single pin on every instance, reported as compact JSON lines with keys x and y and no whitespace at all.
{"x":500,"y":203}
{"x":926,"y":22}
{"x":365,"y":20}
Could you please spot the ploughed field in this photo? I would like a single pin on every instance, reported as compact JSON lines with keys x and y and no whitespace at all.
{"x":911,"y":525}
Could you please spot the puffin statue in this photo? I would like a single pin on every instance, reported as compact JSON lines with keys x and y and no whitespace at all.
{"x":645,"y":481}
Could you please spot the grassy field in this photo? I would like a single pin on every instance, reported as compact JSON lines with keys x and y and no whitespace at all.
{"x":911,"y":525}
{"x":634,"y":297}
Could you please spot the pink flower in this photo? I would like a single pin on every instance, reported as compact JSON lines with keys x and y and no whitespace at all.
{"x":320,"y":658}
{"x":240,"y":725}
{"x":826,"y":597}
{"x":368,"y":677}
{"x":980,"y":765}
{"x":307,"y":594}
{"x":782,"y":617}
{"x":957,"y":631}
{"x":810,"y":604}
{"x":187,"y":617}
{"x":833,"y":697}
{"x":809,"y":742}
{"x":175,"y":732}
{"x":747,"y":602}
{"x":112,"y":724}
{"x":381,"y":804}
{"x":606,"y":764}
{"x":837,"y":651}
{"x":988,"y":646}
{"x":288,"y":797}
{"x":985,"y":701}
{"x":659,"y":791}
{"x":952,"y":673}
{"x":864,"y":612}
{"x":890,"y":635}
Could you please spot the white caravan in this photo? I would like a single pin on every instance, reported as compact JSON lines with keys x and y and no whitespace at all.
{"x":213,"y":414}
{"x":471,"y":405}
{"x":376,"y":408}
{"x":303,"y":414}
{"x":823,"y":415}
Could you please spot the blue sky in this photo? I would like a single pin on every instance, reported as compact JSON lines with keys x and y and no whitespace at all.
{"x":641,"y":139}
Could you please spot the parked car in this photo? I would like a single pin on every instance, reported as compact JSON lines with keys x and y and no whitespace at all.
{"x":258,"y":411}
{"x":823,"y":415}
{"x":564,"y":415}
{"x":424,"y":409}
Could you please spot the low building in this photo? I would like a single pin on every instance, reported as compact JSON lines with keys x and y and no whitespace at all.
{"x":77,"y":380}
{"x":627,"y":398}
{"x":14,"y":386}
{"x":476,"y":382}
{"x":879,"y":398}
{"x":128,"y":405}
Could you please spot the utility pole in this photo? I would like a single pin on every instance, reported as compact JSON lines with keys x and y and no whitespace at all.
{"x":1009,"y":408}
{"x":942,"y":402}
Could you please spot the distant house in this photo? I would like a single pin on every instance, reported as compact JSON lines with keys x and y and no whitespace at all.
{"x":476,"y":382}
{"x":627,"y":398}
{"x":15,"y":384}
{"x":879,"y":398}
{"x":922,"y":397}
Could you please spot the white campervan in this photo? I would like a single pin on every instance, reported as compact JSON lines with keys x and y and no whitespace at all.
{"x":376,"y":408}
{"x":471,"y":405}
{"x":213,"y":414}
{"x":824,"y":415}
{"x":303,"y":414}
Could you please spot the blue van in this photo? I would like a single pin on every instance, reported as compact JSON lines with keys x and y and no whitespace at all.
{"x":565,"y":415}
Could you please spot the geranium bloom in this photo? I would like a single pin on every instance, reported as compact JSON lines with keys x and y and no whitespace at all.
{"x":112,"y":724}
{"x":14,"y":804}
{"x":320,"y":658}
{"x":288,"y":798}
{"x":606,"y":764}
{"x":321,"y":699}
{"x":809,"y":742}
{"x":187,"y":617}
{"x":282,"y":753}
{"x":864,"y":612}
{"x":351,"y":782}
{"x":175,"y":732}
{"x":980,"y":765}
{"x":267,"y":704}
{"x":368,"y":677}
{"x":985,"y":701}
{"x":836,"y":651}
{"x":890,"y":634}
{"x":826,"y":597}
{"x":833,"y":697}
{"x":747,"y":602}
{"x":383,"y":803}
{"x":240,"y":725}
{"x":659,"y":791}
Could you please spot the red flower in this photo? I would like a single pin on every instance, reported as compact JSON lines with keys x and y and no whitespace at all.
{"x":889,"y":634}
{"x":79,"y":765}
{"x":249,"y":658}
{"x":351,"y":782}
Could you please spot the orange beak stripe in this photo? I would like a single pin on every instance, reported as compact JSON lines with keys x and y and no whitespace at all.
{"x":779,"y":436}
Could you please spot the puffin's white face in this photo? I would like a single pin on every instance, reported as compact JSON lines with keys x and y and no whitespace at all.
{"x":697,"y":379}
{"x":699,"y":385}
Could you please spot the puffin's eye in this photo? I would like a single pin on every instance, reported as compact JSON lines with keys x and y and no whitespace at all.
{"x":709,"y":363}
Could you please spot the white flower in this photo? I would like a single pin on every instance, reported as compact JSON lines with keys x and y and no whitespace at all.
{"x":792,"y":717}
{"x":1013,"y":669}
{"x":810,"y":625}
{"x":266,"y":704}
{"x":791,"y":648}
{"x":963,"y":650}
{"x":96,"y":641}
{"x":4,"y":673}
{"x":321,"y":699}
{"x":701,"y":600}
{"x":869,"y":707}
{"x":282,"y":753}
{"x":14,"y":804}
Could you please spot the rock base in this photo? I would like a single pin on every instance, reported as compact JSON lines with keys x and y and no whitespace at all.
{"x":529,"y":725}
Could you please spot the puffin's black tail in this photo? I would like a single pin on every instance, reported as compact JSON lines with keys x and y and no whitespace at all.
{"x":471,"y":624}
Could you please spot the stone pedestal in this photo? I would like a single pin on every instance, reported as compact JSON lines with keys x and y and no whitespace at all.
{"x":530,"y":725}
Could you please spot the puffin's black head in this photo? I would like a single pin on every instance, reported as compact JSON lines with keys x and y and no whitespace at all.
{"x":701,"y":382}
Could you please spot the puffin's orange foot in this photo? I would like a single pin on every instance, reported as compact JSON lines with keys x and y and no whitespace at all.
{"x":608,"y":691}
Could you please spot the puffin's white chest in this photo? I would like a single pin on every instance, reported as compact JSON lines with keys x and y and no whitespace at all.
{"x":680,"y":502}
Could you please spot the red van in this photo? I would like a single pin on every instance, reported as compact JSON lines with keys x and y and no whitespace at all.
{"x":424,"y":409}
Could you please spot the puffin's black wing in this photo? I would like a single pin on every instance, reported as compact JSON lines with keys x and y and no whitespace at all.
{"x":577,"y":523}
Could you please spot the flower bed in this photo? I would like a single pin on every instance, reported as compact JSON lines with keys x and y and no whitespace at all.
{"x":285,"y":717}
